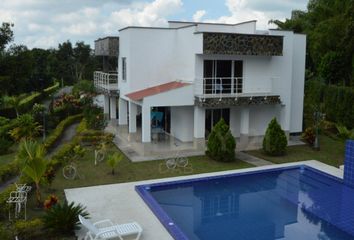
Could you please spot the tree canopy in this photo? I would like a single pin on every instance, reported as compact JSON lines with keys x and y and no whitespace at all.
{"x":329,"y":26}
{"x":25,"y":70}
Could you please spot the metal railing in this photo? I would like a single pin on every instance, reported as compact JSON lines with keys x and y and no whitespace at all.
{"x":105,"y":81}
{"x":230,"y":87}
{"x":218,"y":86}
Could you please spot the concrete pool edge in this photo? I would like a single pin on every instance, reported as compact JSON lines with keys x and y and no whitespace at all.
{"x":177,"y":233}
{"x":132,"y":207}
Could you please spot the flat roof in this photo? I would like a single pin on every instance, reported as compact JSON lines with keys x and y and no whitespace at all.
{"x":106,"y":38}
{"x":210,"y":23}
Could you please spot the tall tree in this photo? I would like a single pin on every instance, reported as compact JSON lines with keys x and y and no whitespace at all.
{"x":82,"y":53}
{"x":6,"y":34}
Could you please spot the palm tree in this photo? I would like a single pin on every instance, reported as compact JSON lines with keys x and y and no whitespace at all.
{"x":27,"y":127}
{"x":14,"y":102}
{"x":32,"y":162}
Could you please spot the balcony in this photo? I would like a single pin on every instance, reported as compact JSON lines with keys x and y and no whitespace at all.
{"x":228,"y":91}
{"x":106,"y":83}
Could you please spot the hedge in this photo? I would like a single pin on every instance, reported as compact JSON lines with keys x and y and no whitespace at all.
{"x":335,"y":101}
{"x":49,"y":142}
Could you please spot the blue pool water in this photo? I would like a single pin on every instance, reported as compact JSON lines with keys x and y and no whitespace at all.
{"x":293,"y":203}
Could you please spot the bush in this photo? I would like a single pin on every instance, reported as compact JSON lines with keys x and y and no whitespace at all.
{"x":8,"y":171}
{"x":274,"y":142}
{"x":221,"y":144}
{"x":344,"y":133}
{"x":64,"y":151}
{"x":5,"y":233}
{"x":5,"y":144}
{"x":94,"y":117}
{"x":30,"y":229}
{"x":83,"y":86}
{"x":4,"y":206}
{"x":93,"y":137}
{"x":26,"y":128}
{"x":63,"y":218}
{"x":113,"y":160}
{"x":49,"y":142}
{"x":82,"y":126}
{"x":309,"y":136}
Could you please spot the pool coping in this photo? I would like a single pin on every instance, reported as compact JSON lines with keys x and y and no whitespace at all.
{"x":101,"y":200}
{"x":168,"y":223}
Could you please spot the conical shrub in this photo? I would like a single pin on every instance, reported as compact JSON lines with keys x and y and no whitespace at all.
{"x":221,"y":144}
{"x":275,"y":142}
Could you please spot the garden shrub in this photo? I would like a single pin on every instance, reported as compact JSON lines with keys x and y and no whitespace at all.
{"x":275,"y":141}
{"x":4,"y":206}
{"x":7,"y":171}
{"x":5,"y":233}
{"x":4,"y":121}
{"x":26,"y":127}
{"x":29,"y":229}
{"x":344,"y":132}
{"x":309,"y":136}
{"x":94,"y":117}
{"x":82,"y":126}
{"x":55,"y":135}
{"x":83,"y":86}
{"x":113,"y":160}
{"x":93,"y":137}
{"x":5,"y":144}
{"x":63,"y":218}
{"x":51,"y":89}
{"x":221,"y":144}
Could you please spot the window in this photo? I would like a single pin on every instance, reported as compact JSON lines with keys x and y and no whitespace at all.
{"x":124,"y":68}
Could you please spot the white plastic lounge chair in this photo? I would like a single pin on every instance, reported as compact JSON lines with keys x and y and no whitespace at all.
{"x":105,"y":229}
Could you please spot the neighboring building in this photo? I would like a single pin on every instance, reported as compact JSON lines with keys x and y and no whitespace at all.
{"x":184,"y":78}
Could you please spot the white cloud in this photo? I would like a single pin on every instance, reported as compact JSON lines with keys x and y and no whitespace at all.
{"x":43,"y":23}
{"x":198,"y":15}
{"x":260,"y":10}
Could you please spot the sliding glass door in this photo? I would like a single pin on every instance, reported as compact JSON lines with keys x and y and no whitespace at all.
{"x":223,"y":76}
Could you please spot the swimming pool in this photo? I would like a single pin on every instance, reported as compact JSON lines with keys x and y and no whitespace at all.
{"x":286,"y":203}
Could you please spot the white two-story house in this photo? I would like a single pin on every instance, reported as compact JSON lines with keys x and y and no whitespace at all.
{"x":182,"y":79}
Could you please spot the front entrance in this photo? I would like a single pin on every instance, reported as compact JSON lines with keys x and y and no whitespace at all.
{"x":213,"y":116}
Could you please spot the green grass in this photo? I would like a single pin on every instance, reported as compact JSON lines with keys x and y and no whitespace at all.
{"x":331,"y":152}
{"x":126,"y":171}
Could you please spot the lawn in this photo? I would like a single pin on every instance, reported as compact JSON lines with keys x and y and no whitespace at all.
{"x":331,"y":152}
{"x":126,"y":171}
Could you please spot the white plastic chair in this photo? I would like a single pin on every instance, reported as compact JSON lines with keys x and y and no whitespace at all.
{"x":105,"y":229}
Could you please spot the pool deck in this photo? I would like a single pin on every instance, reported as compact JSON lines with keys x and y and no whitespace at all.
{"x":121,"y":203}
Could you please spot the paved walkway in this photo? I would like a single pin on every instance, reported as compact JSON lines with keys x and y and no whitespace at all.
{"x":67,"y":135}
{"x":252,"y":159}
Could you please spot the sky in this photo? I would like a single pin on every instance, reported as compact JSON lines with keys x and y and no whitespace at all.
{"x":46,"y":23}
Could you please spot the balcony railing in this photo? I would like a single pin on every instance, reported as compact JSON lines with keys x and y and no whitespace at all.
{"x":106,"y":82}
{"x":227,"y":91}
{"x":216,"y":86}
{"x":227,"y":87}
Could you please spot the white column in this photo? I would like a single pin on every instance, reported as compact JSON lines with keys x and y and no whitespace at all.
{"x":132,"y":117}
{"x":113,"y":107}
{"x":106,"y":104}
{"x":123,"y":112}
{"x":244,"y":127}
{"x":199,"y":122}
{"x":146,"y":124}
{"x":245,"y":121}
{"x":235,"y":121}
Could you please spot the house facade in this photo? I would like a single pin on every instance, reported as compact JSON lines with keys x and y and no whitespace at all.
{"x":182,"y":79}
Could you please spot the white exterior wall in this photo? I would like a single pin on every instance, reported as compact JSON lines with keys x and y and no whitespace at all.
{"x":298,"y":83}
{"x":260,"y":116}
{"x":182,"y":123}
{"x":157,"y":56}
